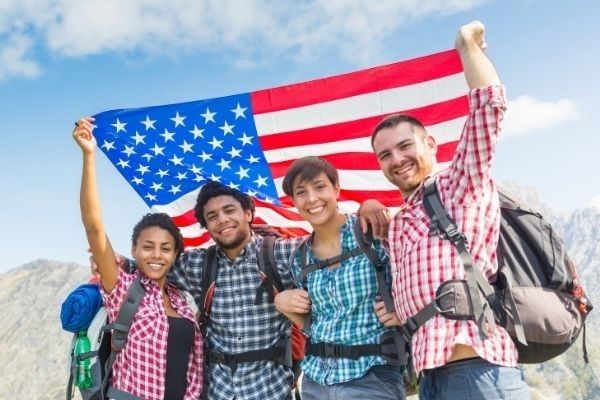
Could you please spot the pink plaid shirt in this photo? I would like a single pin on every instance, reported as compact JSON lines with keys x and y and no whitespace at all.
{"x":421,"y":263}
{"x":141,"y":366}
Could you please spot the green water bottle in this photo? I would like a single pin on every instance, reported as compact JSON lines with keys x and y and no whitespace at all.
{"x":83,"y":380}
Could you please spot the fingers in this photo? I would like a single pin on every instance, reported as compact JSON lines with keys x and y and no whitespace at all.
{"x":294,"y":301}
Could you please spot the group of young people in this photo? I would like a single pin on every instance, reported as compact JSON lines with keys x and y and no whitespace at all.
{"x":333,"y":290}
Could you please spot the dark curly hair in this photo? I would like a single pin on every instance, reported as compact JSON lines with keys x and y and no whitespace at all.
{"x":214,"y":189}
{"x":160,"y":220}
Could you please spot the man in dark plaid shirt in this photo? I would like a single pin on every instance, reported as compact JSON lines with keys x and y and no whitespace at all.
{"x":237,"y":325}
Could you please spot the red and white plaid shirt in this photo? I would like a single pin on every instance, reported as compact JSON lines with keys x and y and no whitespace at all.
{"x":421,"y":263}
{"x":141,"y":366}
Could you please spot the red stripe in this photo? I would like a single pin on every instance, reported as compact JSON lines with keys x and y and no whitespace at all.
{"x":355,"y":83}
{"x":185,"y":219}
{"x":389,"y":198}
{"x":196,"y":241}
{"x":428,"y":115}
{"x":352,"y":161}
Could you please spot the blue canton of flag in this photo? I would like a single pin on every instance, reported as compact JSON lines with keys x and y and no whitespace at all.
{"x":167,"y":151}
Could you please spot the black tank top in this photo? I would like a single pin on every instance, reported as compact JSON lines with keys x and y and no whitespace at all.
{"x":179,"y":347}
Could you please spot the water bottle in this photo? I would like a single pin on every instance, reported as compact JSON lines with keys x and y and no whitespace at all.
{"x":83,"y":379}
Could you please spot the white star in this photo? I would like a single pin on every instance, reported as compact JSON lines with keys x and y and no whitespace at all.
{"x":243,"y":172}
{"x":205,"y":156}
{"x":197,"y":132}
{"x":149,"y":123}
{"x":150,"y":197}
{"x":175,"y":189}
{"x":198,"y":178}
{"x":253,"y":159}
{"x":162,"y":173}
{"x":234,"y":186}
{"x":215,"y":143}
{"x":178,"y":119}
{"x":181,"y":175}
{"x":251,"y":193}
{"x":260,"y":181}
{"x":214,"y":177}
{"x":234,"y":152}
{"x":268,"y":200}
{"x":108,"y":145}
{"x":137,"y":181}
{"x":186,"y":147}
{"x":138,"y":138}
{"x":157,"y":150}
{"x":176,"y":160}
{"x":168,"y":135}
{"x":195,"y":170}
{"x":142,"y":169}
{"x":123,"y":164}
{"x":239,"y":111}
{"x":128,"y":150}
{"x":208,"y":116}
{"x":226,"y":128}
{"x":245,"y":139}
{"x":156,"y":187}
{"x":120,"y":126}
{"x":147,"y":157}
{"x":224,"y":164}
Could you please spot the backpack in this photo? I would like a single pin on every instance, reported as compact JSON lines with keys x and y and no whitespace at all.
{"x":106,"y":340}
{"x":289,"y":352}
{"x":536,"y":297}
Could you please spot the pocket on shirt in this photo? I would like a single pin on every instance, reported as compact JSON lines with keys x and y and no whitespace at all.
{"x":144,"y":324}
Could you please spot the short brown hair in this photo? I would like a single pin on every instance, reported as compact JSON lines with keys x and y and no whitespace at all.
{"x":392,"y":121}
{"x":307,"y":169}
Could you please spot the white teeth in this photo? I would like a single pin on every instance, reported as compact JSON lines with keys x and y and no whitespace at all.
{"x":315,"y":210}
{"x":155,"y":266}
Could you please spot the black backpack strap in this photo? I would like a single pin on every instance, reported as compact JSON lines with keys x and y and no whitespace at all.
{"x":210,"y":267}
{"x":268,"y":266}
{"x":441,"y":222}
{"x":365,"y":244}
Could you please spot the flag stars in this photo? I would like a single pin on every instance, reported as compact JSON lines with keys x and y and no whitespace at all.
{"x":175,"y":189}
{"x":147,"y":157}
{"x":198,"y":178}
{"x":148,"y":123}
{"x":123,"y":163}
{"x":233,"y":153}
{"x":119,"y":126}
{"x":157,"y":149}
{"x":138,"y":138}
{"x":226,"y":128}
{"x":234,"y":186}
{"x":167,"y":135}
{"x":108,"y":145}
{"x":150,"y":197}
{"x":197,"y":132}
{"x":181,"y":176}
{"x":239,"y":111}
{"x":156,"y":186}
{"x":162,"y":173}
{"x":178,"y":120}
{"x":245,"y":139}
{"x":142,"y":169}
{"x":137,"y":181}
{"x":205,"y":156}
{"x":215,"y":143}
{"x":215,"y":178}
{"x":251,"y":193}
{"x":253,"y":159}
{"x":186,"y":147}
{"x":208,"y":116}
{"x":176,"y":160}
{"x":128,"y":150}
{"x":260,"y":181}
{"x":224,"y":164}
{"x":195,"y":170}
{"x":243,"y":173}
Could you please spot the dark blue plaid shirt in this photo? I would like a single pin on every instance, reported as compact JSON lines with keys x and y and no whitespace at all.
{"x":238,"y":325}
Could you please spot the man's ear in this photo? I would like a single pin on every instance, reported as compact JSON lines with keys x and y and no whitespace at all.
{"x":431,"y":145}
{"x":248,"y":214}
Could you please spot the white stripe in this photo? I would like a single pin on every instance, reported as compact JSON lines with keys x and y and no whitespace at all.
{"x":362,"y":180}
{"x":443,"y":132}
{"x":178,"y":207}
{"x":362,"y":106}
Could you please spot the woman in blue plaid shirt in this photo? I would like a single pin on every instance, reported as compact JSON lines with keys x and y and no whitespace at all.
{"x":339,"y":298}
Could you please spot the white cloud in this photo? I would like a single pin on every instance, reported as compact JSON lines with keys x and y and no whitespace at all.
{"x":595,"y":201}
{"x":527,"y":114}
{"x":13,"y":58}
{"x":252,"y":30}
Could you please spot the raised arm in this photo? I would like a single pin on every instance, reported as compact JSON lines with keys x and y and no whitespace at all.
{"x":478,"y":69}
{"x":89,"y":202}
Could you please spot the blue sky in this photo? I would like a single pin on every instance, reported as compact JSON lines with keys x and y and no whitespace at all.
{"x":61,"y":59}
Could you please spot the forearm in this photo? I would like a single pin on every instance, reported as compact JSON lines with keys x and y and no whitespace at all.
{"x":296,"y":318}
{"x":478,"y":69}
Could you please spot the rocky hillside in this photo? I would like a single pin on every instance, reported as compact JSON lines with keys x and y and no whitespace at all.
{"x":33,"y":357}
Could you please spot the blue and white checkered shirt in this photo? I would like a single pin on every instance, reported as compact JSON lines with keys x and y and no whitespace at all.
{"x":238,"y":325}
{"x":342,"y":310}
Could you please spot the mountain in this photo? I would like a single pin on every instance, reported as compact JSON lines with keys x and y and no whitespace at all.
{"x":33,"y":358}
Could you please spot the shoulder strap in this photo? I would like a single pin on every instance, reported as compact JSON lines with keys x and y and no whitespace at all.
{"x":365,"y":244}
{"x":266,"y":265}
{"x":210,"y":267}
{"x":441,"y":222}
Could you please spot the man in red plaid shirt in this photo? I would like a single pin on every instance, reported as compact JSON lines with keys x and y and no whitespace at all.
{"x":453,"y":359}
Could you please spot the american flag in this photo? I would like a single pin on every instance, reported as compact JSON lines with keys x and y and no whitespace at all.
{"x":248,"y":140}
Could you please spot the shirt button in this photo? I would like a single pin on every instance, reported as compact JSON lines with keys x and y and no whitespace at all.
{"x":239,"y":338}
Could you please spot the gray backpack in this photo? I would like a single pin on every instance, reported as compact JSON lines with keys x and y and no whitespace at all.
{"x":536,"y":296}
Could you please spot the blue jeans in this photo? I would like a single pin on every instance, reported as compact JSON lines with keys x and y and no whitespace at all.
{"x":381,"y":382}
{"x":475,"y":379}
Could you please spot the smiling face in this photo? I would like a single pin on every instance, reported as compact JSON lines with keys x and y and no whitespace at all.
{"x":228,"y":223}
{"x":406,"y":155}
{"x":316,"y":200}
{"x":154,"y":252}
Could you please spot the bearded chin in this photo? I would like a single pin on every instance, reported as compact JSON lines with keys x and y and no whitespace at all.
{"x":234,"y":243}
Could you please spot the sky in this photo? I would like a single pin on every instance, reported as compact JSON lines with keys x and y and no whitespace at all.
{"x":62,"y":59}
